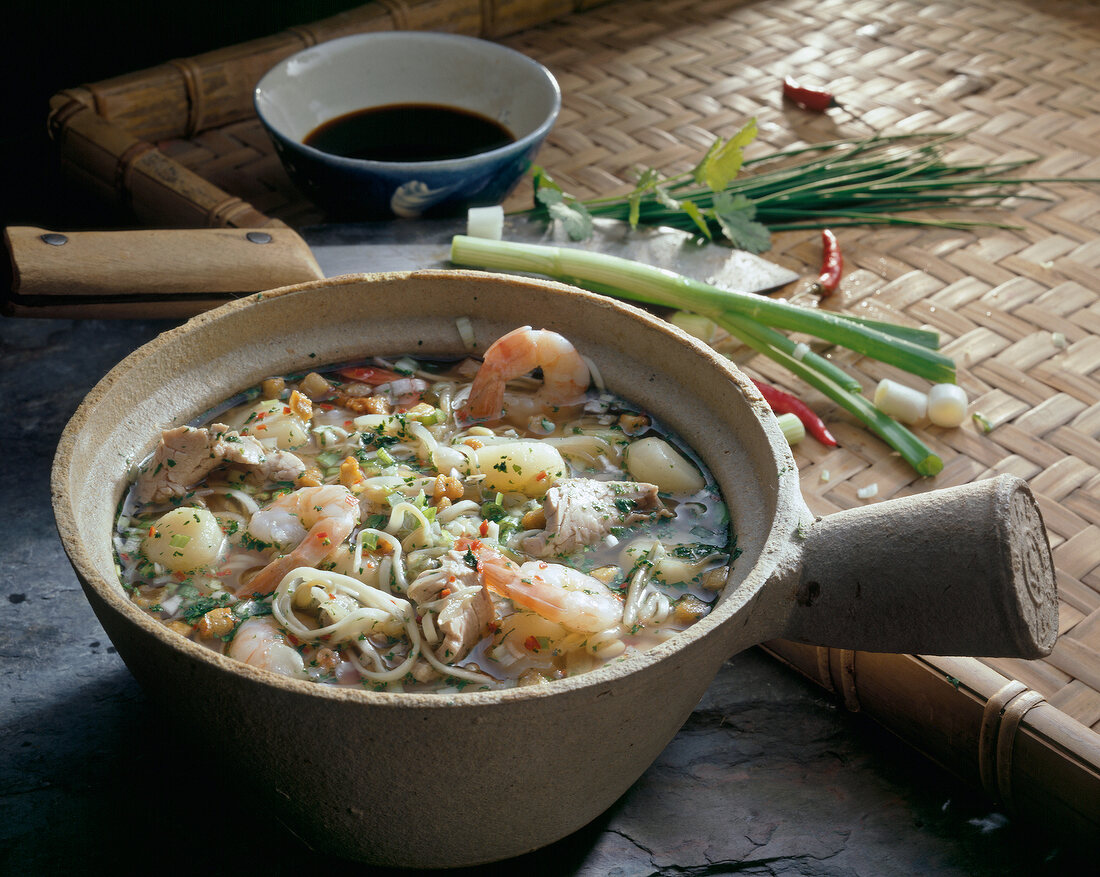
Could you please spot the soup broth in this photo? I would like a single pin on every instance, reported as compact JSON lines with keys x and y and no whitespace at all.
{"x":418,"y":525}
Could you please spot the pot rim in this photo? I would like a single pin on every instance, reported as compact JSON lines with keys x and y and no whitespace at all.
{"x":775,"y":548}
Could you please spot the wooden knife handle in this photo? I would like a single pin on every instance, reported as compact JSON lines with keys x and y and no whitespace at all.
{"x":149,"y":272}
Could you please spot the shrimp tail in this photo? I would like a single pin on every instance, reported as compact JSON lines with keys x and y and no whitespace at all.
{"x":486,"y":396}
{"x":317,"y":545}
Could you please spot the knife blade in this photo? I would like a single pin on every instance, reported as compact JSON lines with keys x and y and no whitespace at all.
{"x":176,"y":273}
{"x":405,"y":246}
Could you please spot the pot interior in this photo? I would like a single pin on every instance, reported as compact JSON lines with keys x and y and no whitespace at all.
{"x":185,"y":372}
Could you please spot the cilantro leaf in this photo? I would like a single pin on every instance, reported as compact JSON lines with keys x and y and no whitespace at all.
{"x":574,"y":217}
{"x":545,"y":185}
{"x":724,"y":163}
{"x":736,"y":215}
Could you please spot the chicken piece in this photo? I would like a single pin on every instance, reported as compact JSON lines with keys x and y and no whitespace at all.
{"x":465,"y":615}
{"x":181,"y":460}
{"x":187,"y":454}
{"x":272,"y":464}
{"x":583,"y":511}
{"x":463,"y":621}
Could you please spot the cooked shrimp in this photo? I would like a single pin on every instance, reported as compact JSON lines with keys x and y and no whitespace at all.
{"x":565,"y":374}
{"x":330,"y":513}
{"x":259,"y":642}
{"x":573,"y":599}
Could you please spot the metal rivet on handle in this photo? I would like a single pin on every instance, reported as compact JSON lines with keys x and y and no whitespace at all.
{"x":258,"y":237}
{"x":53,"y":239}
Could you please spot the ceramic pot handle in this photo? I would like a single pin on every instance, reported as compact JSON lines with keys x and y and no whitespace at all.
{"x":961,"y":571}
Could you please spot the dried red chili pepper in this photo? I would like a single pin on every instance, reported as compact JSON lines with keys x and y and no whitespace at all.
{"x":785,"y":403}
{"x":832,"y":264}
{"x":816,"y":99}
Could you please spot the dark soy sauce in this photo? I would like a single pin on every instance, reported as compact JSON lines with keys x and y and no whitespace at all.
{"x":409,"y":132}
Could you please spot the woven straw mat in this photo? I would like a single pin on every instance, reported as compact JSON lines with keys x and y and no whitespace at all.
{"x":651,"y":83}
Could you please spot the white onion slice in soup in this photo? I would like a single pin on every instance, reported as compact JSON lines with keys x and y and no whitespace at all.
{"x":184,"y":539}
{"x":530,"y":468}
{"x":273,"y":420}
{"x":667,"y":567}
{"x":655,"y":461}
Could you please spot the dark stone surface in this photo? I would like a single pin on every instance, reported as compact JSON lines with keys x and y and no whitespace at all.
{"x":768,"y":776}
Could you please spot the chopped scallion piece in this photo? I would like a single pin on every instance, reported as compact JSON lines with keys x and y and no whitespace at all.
{"x":792,"y":427}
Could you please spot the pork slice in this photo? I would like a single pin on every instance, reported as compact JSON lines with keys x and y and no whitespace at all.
{"x":583,"y":511}
{"x":183,"y":457}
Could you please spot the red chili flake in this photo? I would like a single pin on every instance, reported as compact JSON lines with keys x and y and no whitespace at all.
{"x":816,"y":99}
{"x":286,"y":409}
{"x":293,"y":640}
{"x":446,"y":592}
{"x":541,"y":475}
{"x":531,"y":644}
{"x":349,"y":423}
{"x":152,"y":531}
{"x":483,"y":528}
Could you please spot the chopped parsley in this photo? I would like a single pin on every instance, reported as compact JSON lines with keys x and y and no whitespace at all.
{"x":624,"y":505}
{"x":200,"y":607}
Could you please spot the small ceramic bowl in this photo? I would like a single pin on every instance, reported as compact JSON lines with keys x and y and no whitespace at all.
{"x":346,"y":75}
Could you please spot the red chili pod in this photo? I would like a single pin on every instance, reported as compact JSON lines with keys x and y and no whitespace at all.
{"x":785,"y":403}
{"x":832,"y":265}
{"x":816,"y":99}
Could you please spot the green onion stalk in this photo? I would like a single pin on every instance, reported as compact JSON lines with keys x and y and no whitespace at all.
{"x":879,"y":180}
{"x":752,"y":319}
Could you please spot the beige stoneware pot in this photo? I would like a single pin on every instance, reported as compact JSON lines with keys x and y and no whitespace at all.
{"x":375,"y":776}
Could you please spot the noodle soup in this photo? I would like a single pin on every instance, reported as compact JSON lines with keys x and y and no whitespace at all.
{"x":418,"y":525}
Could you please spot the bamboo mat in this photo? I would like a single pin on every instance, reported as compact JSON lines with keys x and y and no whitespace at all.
{"x":650,"y":82}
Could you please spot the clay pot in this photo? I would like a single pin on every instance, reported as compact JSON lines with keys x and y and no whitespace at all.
{"x":439,"y":780}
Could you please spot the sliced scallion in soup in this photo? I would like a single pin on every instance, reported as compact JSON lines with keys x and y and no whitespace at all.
{"x":416,"y":525}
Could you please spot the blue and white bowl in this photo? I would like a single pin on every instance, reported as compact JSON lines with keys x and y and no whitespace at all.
{"x":352,"y":73}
